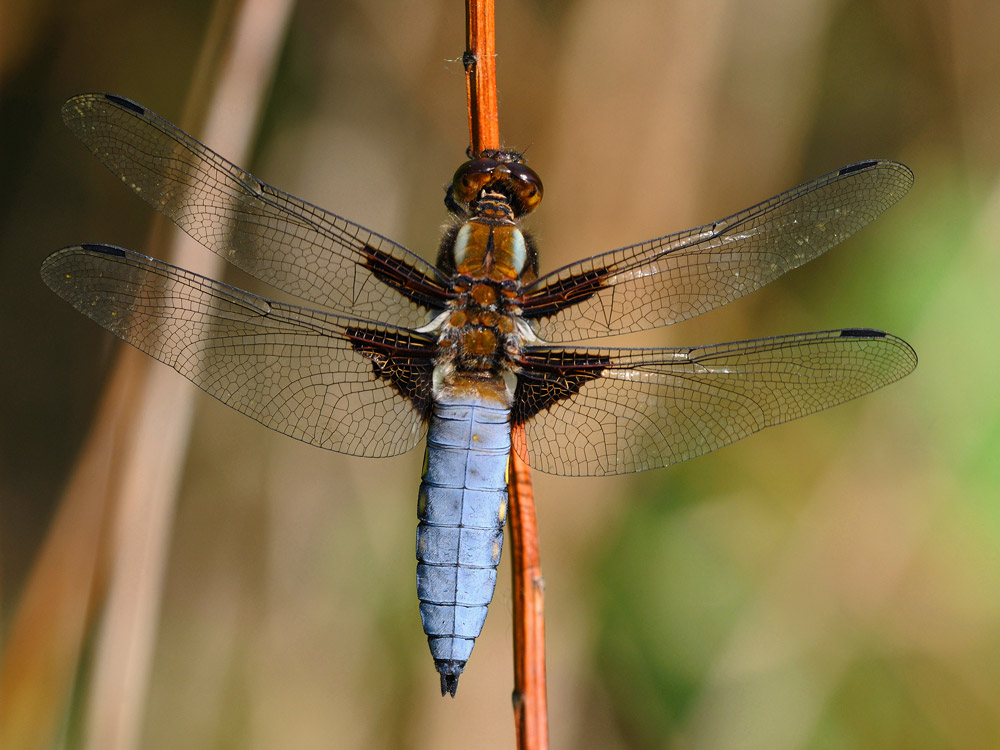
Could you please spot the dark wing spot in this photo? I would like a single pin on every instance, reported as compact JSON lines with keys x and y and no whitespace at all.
{"x":110,"y":250}
{"x":861,"y":165}
{"x":862,"y":333}
{"x":125,"y":104}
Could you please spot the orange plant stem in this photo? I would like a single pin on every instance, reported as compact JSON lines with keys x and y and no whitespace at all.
{"x":530,"y":711}
{"x":530,"y":707}
{"x":480,"y":60}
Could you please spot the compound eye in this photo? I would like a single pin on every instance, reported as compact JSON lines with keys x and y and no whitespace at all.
{"x":472,"y":177}
{"x":527,"y":186}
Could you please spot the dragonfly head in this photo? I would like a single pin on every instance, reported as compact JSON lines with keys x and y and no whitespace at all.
{"x":498,"y":172}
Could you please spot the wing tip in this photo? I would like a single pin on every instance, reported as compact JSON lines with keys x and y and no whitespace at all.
{"x":906,"y":174}
{"x":78,"y":107}
{"x":874,"y":333}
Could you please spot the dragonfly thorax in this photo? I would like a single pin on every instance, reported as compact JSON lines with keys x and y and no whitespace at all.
{"x":483,"y":249}
{"x":479,"y":332}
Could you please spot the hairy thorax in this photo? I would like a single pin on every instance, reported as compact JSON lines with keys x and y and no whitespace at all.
{"x":481,"y":333}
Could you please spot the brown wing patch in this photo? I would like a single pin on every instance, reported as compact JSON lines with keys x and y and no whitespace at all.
{"x":404,"y":278}
{"x":548,"y":376}
{"x":405,"y":360}
{"x":564,"y":292}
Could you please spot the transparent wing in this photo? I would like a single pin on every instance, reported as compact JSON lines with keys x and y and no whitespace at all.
{"x":278,"y":238}
{"x":339,"y":383}
{"x":634,"y":409}
{"x":676,"y":277}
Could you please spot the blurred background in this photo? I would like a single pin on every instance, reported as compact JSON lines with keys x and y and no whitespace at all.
{"x":830,"y":583}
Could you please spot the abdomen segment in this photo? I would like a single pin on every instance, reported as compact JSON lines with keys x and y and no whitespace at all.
{"x":461,"y":509}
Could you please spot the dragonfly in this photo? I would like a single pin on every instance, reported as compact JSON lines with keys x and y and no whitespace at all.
{"x":479,"y":352}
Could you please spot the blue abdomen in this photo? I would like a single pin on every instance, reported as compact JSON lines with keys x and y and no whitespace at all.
{"x":461,"y":509}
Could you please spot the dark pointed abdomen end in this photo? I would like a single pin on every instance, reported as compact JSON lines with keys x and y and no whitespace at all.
{"x":450,"y":671}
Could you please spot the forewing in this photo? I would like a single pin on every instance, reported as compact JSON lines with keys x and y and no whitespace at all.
{"x":348,"y":385}
{"x":283,"y":241}
{"x":676,"y":277}
{"x":614,"y":411}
